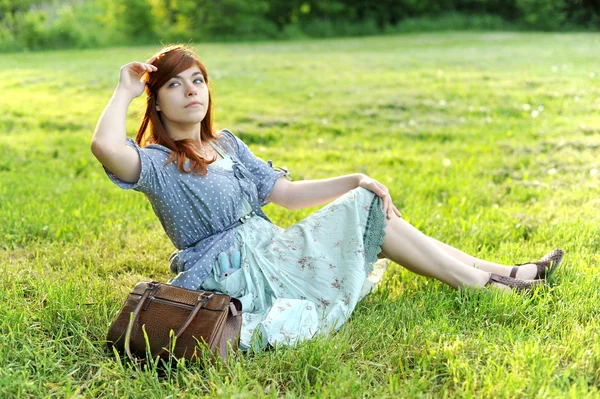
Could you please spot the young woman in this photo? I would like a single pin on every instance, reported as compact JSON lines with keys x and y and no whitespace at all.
{"x":207,"y":189}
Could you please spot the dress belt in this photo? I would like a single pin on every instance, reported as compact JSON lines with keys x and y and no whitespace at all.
{"x":235,"y":224}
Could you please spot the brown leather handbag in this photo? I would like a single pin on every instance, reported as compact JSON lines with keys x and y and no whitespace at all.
{"x":177,"y":322}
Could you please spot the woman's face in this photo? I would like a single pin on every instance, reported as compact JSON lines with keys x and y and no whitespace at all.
{"x":183,"y":100}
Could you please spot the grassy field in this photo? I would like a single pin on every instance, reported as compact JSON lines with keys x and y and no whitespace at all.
{"x":489,"y":142}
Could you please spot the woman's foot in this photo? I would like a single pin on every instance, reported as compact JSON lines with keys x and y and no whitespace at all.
{"x":512,"y":284}
{"x":541,"y":269}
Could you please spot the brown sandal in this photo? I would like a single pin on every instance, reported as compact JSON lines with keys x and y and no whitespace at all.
{"x":514,"y":283}
{"x":546,"y":266}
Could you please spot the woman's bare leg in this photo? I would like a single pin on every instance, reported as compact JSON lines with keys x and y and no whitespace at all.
{"x":408,"y":247}
{"x":524,"y":272}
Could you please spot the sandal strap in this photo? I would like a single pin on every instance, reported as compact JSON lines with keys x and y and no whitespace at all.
{"x":514,"y":283}
{"x":513,"y":272}
{"x":545,"y":266}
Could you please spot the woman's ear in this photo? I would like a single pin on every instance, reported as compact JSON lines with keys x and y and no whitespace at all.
{"x":157,"y":107}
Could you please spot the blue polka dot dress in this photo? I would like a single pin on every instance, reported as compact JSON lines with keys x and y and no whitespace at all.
{"x":293,"y":283}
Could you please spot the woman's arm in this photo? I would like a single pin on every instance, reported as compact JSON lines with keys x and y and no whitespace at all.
{"x":109,"y":141}
{"x":308,"y":193}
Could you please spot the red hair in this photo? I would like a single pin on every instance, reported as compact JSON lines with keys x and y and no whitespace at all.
{"x":170,"y":61}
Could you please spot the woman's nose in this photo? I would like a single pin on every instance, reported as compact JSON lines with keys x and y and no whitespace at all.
{"x":191,"y":90}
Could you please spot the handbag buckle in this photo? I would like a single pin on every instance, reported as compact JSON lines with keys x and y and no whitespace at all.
{"x":151,"y":286}
{"x":205,"y":298}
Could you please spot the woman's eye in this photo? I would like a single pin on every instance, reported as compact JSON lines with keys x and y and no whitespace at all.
{"x":173,"y":84}
{"x":198,"y":80}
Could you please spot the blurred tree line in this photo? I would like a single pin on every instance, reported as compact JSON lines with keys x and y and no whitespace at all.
{"x":43,"y":24}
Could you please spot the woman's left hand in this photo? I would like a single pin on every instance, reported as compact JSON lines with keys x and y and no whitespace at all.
{"x":373,"y":185}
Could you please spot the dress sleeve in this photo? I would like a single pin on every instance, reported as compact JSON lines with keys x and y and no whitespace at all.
{"x":266,"y":174}
{"x":149,"y":180}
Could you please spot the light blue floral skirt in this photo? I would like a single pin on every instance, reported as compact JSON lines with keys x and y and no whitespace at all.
{"x":307,"y":279}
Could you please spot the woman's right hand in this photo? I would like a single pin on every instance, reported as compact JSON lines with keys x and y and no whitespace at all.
{"x":131,"y":74}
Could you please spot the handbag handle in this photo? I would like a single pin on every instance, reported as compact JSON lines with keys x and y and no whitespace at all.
{"x":152,"y":287}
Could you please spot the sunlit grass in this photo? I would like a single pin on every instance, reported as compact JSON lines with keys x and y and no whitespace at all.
{"x":489,"y":142}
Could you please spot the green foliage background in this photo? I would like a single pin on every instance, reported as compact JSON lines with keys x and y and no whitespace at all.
{"x":44,"y":24}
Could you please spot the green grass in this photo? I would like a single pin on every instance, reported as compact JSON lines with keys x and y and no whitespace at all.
{"x":488,"y":142}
